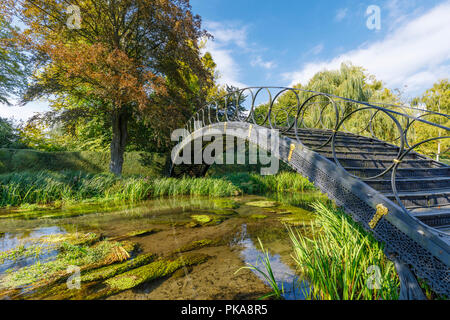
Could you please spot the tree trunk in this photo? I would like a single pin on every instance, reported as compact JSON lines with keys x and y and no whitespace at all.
{"x":119,"y":141}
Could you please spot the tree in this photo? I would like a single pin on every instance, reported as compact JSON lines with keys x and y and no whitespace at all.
{"x":351,"y":82}
{"x":9,"y":135}
{"x":436,"y":99}
{"x":13,"y":72}
{"x":129,"y":60}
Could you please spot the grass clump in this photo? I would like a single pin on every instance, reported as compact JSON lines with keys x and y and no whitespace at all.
{"x":338,"y":258}
{"x":252,"y":183}
{"x":44,"y":187}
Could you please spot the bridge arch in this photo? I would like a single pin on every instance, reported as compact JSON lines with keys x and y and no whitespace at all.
{"x":317,"y":154}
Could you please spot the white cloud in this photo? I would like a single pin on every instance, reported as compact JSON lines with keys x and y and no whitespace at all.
{"x":226,"y":37}
{"x":415,"y":54}
{"x":259,"y":62}
{"x":224,"y":34}
{"x":341,"y":14}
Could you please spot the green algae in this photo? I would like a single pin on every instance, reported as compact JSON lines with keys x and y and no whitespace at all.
{"x":23,"y":252}
{"x":205,"y":219}
{"x":152,"y":271}
{"x":258,"y":216}
{"x":295,"y":220}
{"x":68,"y":255}
{"x":76,"y":238}
{"x":225,"y":203}
{"x":262,"y":204}
{"x":223,"y":212}
{"x":202,"y":218}
{"x":115,"y":269}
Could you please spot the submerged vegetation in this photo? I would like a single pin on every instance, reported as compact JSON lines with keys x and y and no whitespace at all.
{"x":116,"y":266}
{"x":339,"y":259}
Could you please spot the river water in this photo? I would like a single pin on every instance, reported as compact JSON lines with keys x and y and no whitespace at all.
{"x":247,"y":220}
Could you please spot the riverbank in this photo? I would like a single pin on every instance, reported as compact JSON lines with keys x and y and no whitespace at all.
{"x":57,"y":188}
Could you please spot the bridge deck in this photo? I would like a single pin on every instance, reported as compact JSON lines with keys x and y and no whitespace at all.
{"x":416,"y":228}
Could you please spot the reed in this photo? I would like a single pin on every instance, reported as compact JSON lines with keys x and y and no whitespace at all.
{"x":339,"y":260}
{"x":282,"y":182}
{"x":267,"y":273}
{"x":46,"y":187}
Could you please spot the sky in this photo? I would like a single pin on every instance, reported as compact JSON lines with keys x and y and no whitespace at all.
{"x":283,"y":43}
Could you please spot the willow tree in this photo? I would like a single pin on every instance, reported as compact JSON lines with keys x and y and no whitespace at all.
{"x":436,"y":99}
{"x":124,"y":58}
{"x":349,"y":81}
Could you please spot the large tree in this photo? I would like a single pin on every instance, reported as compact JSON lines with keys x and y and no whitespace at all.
{"x":130,"y":59}
{"x":13,"y":71}
{"x":436,"y":99}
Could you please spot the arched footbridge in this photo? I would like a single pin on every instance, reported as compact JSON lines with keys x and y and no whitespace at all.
{"x":378,"y":162}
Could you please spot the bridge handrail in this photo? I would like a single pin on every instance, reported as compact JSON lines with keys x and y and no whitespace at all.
{"x":341,"y":116}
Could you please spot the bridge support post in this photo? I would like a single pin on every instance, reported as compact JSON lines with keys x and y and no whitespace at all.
{"x":409,"y":287}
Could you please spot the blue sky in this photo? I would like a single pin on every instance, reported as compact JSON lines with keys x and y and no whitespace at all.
{"x":281,"y":43}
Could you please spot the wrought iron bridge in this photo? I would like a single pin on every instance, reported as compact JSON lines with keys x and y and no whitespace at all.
{"x":378,"y":162}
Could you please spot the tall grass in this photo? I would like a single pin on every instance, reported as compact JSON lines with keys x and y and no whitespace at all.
{"x":46,"y":186}
{"x":284,"y":181}
{"x":337,"y":258}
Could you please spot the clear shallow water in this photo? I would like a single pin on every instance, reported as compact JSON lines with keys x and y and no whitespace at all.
{"x":215,"y":279}
{"x":293,"y":287}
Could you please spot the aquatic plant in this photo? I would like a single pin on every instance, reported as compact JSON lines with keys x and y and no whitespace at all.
{"x":262,"y":204}
{"x":27,"y":188}
{"x":149,"y":272}
{"x":267,"y":273}
{"x":252,"y":183}
{"x":69,"y":254}
{"x":337,"y":257}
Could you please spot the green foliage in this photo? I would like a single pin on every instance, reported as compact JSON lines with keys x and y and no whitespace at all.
{"x":69,"y":255}
{"x":350,"y":82}
{"x":337,"y":258}
{"x":13,"y":71}
{"x":46,"y":187}
{"x":14,"y":160}
{"x":252,"y":183}
{"x":436,"y":99}
{"x":9,"y":135}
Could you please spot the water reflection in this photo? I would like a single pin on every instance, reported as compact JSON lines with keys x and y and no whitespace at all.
{"x":294,"y":288}
{"x":26,"y":239}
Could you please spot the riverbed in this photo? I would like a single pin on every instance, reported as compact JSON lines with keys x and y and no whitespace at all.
{"x":228,"y":229}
